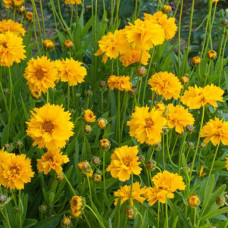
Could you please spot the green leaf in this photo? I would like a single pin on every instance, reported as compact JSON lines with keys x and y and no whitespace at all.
{"x":51,"y":222}
{"x":214,"y":213}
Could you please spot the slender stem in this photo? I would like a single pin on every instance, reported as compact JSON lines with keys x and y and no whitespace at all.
{"x":10,"y":103}
{"x":97,"y":217}
{"x":211,"y":26}
{"x":166,"y":213}
{"x":71,"y":16}
{"x":131,"y":190}
{"x":104,"y":180}
{"x":159,"y":208}
{"x":208,"y":72}
{"x":90,"y":191}
{"x":19,"y":206}
{"x":167,"y":148}
{"x":102,"y":100}
{"x":42,"y":18}
{"x":180,"y":153}
{"x":68,"y":97}
{"x":222,"y":63}
{"x":141,"y":218}
{"x":68,"y":182}
{"x":118,"y":118}
{"x":195,"y":216}
{"x":179,"y":38}
{"x":163,"y":151}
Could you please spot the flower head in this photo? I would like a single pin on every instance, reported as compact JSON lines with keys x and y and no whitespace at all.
{"x":11,"y":26}
{"x":67,"y":2}
{"x":52,"y":160}
{"x":50,"y":127}
{"x":196,"y":61}
{"x":124,"y":193}
{"x":76,"y":203}
{"x":215,"y":131}
{"x":11,"y":49}
{"x":146,"y":126}
{"x":124,"y":162}
{"x":121,"y":83}
{"x":41,"y":74}
{"x":193,"y":200}
{"x":13,"y":3}
{"x":179,"y":117}
{"x":165,"y":84}
{"x":48,"y":44}
{"x":71,"y":71}
{"x":29,"y":16}
{"x":68,"y":44}
{"x":89,"y":116}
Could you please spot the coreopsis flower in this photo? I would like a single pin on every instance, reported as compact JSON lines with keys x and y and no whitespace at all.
{"x":165,"y":84}
{"x":196,"y":61}
{"x":144,"y":34}
{"x":133,"y":56}
{"x":68,"y":44}
{"x":50,"y":126}
{"x":124,"y":162}
{"x":211,"y":54}
{"x":66,"y":222}
{"x":52,"y":160}
{"x":29,"y":16}
{"x":77,"y":203}
{"x":97,"y":178}
{"x":71,"y":71}
{"x":121,"y":83}
{"x":102,"y":123}
{"x":104,"y":144}
{"x":196,"y":97}
{"x":146,"y":126}
{"x":227,"y":162}
{"x":11,"y":49}
{"x":67,"y":2}
{"x":160,"y":106}
{"x":41,"y":74}
{"x":185,"y":80}
{"x":193,"y":200}
{"x":15,"y":170}
{"x":124,"y":193}
{"x":13,"y":3}
{"x":48,"y":44}
{"x":167,"y":9}
{"x":130,"y":212}
{"x":89,"y":116}
{"x":167,"y":24}
{"x":112,"y":45}
{"x":22,"y":10}
{"x":36,"y":93}
{"x":76,"y":214}
{"x":179,"y":117}
{"x":11,"y":26}
{"x":215,"y":131}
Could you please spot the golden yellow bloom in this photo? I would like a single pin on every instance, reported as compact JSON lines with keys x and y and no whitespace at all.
{"x":154,"y":194}
{"x":130,"y":212}
{"x":227,"y":162}
{"x":76,"y":203}
{"x":193,"y":200}
{"x":211,"y":54}
{"x":52,"y":160}
{"x":184,"y":80}
{"x":11,"y":26}
{"x":201,"y":173}
{"x":165,"y":84}
{"x":67,"y":2}
{"x":41,"y":74}
{"x":22,"y":9}
{"x":97,"y":178}
{"x":161,"y":107}
{"x":146,"y":126}
{"x":76,"y":214}
{"x":215,"y":131}
{"x":50,"y":127}
{"x":15,"y":170}
{"x":36,"y":94}
{"x":167,"y":24}
{"x":124,"y":162}
{"x":196,"y":97}
{"x":124,"y":193}
{"x":179,"y":117}
{"x":121,"y":83}
{"x":196,"y":61}
{"x":66,"y":221}
{"x":144,"y":34}
{"x":11,"y":49}
{"x":68,"y":44}
{"x":104,"y":144}
{"x":48,"y":44}
{"x":89,"y":116}
{"x":168,"y":181}
{"x":102,"y":123}
{"x":13,"y":3}
{"x":29,"y":16}
{"x":112,"y":45}
{"x":167,"y":9}
{"x":133,"y":56}
{"x":71,"y":71}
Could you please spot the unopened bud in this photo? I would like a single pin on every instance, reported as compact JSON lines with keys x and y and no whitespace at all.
{"x":220,"y":201}
{"x":96,"y":160}
{"x":141,"y":71}
{"x":151,"y":165}
{"x":59,"y":176}
{"x":3,"y":199}
{"x":130,"y":212}
{"x":43,"y":208}
{"x":102,"y":84}
{"x":190,"y":128}
{"x":224,"y":22}
{"x":87,"y":129}
{"x":104,"y":144}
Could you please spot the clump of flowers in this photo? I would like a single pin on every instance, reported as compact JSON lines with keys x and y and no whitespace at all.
{"x":13,"y":3}
{"x":146,"y":126}
{"x":11,"y":26}
{"x":50,"y":127}
{"x":165,"y":84}
{"x":124,"y":162}
{"x":121,"y":83}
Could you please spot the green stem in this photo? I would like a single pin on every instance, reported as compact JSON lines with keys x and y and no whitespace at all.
{"x":70,"y":185}
{"x":166,"y":213}
{"x":159,"y":208}
{"x":118,"y":118}
{"x":180,"y":153}
{"x":222,"y":63}
{"x":42,"y":18}
{"x":131,"y":190}
{"x":19,"y":207}
{"x":10,"y":103}
{"x":208,"y":72}
{"x":167,"y":147}
{"x":68,"y":97}
{"x":179,"y":37}
{"x":104,"y":180}
{"x":90,"y":191}
{"x":97,"y":217}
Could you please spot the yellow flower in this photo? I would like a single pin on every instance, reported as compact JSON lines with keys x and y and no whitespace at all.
{"x":165,"y":84}
{"x":215,"y":131}
{"x":196,"y":61}
{"x":52,"y":160}
{"x":211,"y":54}
{"x":76,"y":203}
{"x":11,"y":49}
{"x":227,"y":162}
{"x":161,"y":107}
{"x":154,"y":194}
{"x":29,"y":16}
{"x":68,"y":44}
{"x":71,"y":71}
{"x":144,"y":34}
{"x":193,"y":200}
{"x":124,"y":162}
{"x":102,"y":123}
{"x":66,"y":222}
{"x":112,"y":45}
{"x":201,"y":173}
{"x":41,"y":74}
{"x":168,"y":181}
{"x":121,"y":83}
{"x":104,"y":144}
{"x":184,"y":80}
{"x":167,"y":24}
{"x":67,"y":2}
{"x":89,"y":116}
{"x":11,"y":26}
{"x":133,"y":56}
{"x":124,"y":193}
{"x":179,"y":117}
{"x":15,"y":170}
{"x":50,"y":127}
{"x":13,"y":3}
{"x":146,"y":126}
{"x":215,"y":1}
{"x":48,"y":44}
{"x":196,"y":97}
{"x":76,"y":214}
{"x":167,"y":9}
{"x":36,"y":93}
{"x":97,"y":178}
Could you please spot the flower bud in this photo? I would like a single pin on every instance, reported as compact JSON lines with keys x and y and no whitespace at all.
{"x":220,"y":201}
{"x":87,"y":129}
{"x":88,"y":174}
{"x":36,"y":94}
{"x":9,"y":147}
{"x":18,"y":144}
{"x":104,"y":144}
{"x":96,"y":160}
{"x":141,"y":71}
{"x":211,"y":54}
{"x":84,"y":166}
{"x":3,"y":199}
{"x":130,"y":212}
{"x":186,"y":170}
{"x":97,"y":177}
{"x":59,"y":176}
{"x":66,"y":222}
{"x":43,"y":208}
{"x":48,"y":44}
{"x":165,"y":130}
{"x":89,"y":93}
{"x":224,"y":22}
{"x":29,"y":16}
{"x":68,"y":44}
{"x":191,"y":144}
{"x":102,"y":84}
{"x":133,"y":91}
{"x":102,"y":123}
{"x":196,"y":61}
{"x":184,"y":80}
{"x":202,"y":145}
{"x":105,"y":20}
{"x":141,"y":158}
{"x":167,"y":9}
{"x":190,"y":128}
{"x":157,"y":146}
{"x":77,"y":203}
{"x":151,"y":165}
{"x":193,"y":200}
{"x":22,"y":10}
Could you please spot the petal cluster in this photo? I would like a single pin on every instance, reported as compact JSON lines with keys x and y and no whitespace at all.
{"x":121,"y":83}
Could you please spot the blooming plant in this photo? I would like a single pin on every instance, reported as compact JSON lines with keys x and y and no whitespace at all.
{"x":109,"y":119}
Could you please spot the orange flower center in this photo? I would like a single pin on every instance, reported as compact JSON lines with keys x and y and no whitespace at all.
{"x":4,"y":44}
{"x":127,"y":160}
{"x":14,"y":171}
{"x":149,"y":122}
{"x":39,"y":74}
{"x":48,"y":126}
